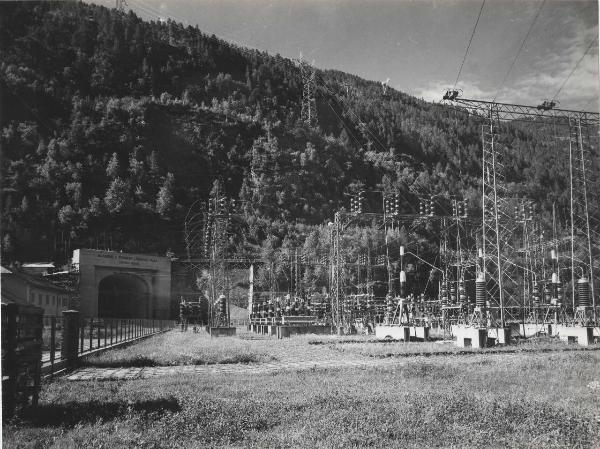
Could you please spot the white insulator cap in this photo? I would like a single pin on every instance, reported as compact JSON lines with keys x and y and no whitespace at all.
{"x":480,"y":252}
{"x":402,"y":250}
{"x":402,"y":277}
{"x":553,"y":254}
{"x":555,"y":278}
{"x":481,"y":277}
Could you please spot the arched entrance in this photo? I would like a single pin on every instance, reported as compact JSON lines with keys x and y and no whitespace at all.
{"x":123,"y":296}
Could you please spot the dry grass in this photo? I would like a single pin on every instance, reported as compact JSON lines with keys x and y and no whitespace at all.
{"x":532,"y":400}
{"x":181,"y":348}
{"x":378,"y":349}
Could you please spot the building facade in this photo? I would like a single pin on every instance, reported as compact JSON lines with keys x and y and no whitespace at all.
{"x":23,"y":288}
{"x":123,"y":285}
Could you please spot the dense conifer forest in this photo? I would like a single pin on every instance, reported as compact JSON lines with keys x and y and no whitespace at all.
{"x":112,"y":127}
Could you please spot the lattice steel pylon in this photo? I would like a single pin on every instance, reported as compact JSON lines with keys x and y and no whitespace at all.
{"x":498,"y":225}
{"x":308,"y":111}
{"x":585,"y":216}
{"x":217,"y":220}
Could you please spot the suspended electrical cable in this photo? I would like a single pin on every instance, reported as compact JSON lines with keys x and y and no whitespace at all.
{"x":520,"y":49}
{"x":469,"y":46}
{"x":575,"y":68}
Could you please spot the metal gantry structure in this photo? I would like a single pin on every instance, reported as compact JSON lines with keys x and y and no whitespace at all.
{"x":513,"y":279}
{"x":402,"y":303}
{"x":207,"y":228}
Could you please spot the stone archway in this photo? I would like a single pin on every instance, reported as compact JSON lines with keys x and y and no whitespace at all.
{"x":123,"y":295}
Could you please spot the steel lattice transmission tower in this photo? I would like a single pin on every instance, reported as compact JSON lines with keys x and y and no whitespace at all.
{"x":498,"y":225}
{"x":217,"y":221}
{"x":309,"y":103}
{"x":585,"y":213}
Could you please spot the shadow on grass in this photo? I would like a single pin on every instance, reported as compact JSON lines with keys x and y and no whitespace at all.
{"x":129,"y":362}
{"x":142,"y":361}
{"x":71,"y":414}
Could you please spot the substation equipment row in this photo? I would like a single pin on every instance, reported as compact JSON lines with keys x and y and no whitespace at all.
{"x":503,"y":269}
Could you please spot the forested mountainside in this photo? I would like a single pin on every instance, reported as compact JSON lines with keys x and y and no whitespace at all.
{"x":112,"y":127}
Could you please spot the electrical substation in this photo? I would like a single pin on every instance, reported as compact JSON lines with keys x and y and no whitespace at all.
{"x":501,"y":269}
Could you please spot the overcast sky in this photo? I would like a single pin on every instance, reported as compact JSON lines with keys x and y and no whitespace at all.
{"x":418,"y":44}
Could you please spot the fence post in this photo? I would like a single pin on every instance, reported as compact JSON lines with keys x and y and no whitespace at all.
{"x":70,"y":337}
{"x":52,"y":342}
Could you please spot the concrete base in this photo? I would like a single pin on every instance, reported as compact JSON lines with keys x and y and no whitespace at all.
{"x":288,"y":331}
{"x":222,"y":331}
{"x":470,"y":337}
{"x":501,"y":335}
{"x":392,"y":332}
{"x":530,"y":330}
{"x":584,"y":336}
{"x":419,"y":333}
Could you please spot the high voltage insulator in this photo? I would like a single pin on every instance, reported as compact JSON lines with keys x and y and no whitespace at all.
{"x":361,"y":200}
{"x":536,"y":295}
{"x":547,"y":294}
{"x":444,"y":294}
{"x":222,"y":204}
{"x":480,"y":293}
{"x":392,"y":205}
{"x":462,"y":293}
{"x":427,"y":207}
{"x":459,"y":208}
{"x":583,"y":293}
{"x":223,"y":305}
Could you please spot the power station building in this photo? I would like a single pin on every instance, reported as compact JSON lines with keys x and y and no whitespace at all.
{"x":123,"y":285}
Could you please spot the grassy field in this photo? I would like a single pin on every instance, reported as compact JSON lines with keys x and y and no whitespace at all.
{"x":519,"y":399}
{"x":182,"y":348}
{"x":374,"y":348}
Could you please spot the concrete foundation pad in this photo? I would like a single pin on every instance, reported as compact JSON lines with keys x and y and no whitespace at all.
{"x":530,"y":329}
{"x":419,"y":333}
{"x":222,"y":331}
{"x":584,"y":336}
{"x":288,"y":331}
{"x":392,"y":332}
{"x":502,"y":335}
{"x":470,"y":337}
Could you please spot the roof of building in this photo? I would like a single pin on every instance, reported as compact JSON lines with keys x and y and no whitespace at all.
{"x":38,"y":265}
{"x":4,"y":270}
{"x":37,"y":281}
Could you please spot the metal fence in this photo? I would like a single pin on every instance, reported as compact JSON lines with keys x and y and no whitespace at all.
{"x":93,"y":334}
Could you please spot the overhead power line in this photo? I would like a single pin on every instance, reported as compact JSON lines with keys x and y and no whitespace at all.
{"x":574,"y":68}
{"x":469,"y":46}
{"x":520,"y":49}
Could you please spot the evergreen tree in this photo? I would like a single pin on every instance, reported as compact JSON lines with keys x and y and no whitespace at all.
{"x":164,"y":199}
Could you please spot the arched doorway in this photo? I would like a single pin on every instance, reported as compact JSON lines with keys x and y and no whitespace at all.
{"x":123,"y":296}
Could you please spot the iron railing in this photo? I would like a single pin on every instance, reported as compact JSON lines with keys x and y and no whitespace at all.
{"x":95,"y":334}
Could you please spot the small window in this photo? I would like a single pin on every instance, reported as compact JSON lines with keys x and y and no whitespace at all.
{"x":40,"y":299}
{"x":47,"y":299}
{"x":66,"y":302}
{"x":32,"y":297}
{"x":53,"y":300}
